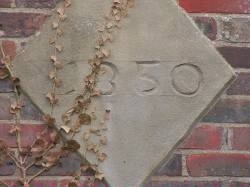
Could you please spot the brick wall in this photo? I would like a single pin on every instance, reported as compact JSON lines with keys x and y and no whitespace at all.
{"x":217,"y":151}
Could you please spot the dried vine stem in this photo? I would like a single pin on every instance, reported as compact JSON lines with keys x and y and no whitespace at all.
{"x":57,"y":48}
{"x":36,"y":151}
{"x":118,"y":10}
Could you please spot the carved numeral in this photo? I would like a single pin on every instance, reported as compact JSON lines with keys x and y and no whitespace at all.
{"x":147,"y":83}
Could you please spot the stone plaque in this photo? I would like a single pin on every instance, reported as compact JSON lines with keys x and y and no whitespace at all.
{"x":163,"y":74}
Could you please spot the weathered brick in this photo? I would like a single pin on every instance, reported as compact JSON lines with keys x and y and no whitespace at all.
{"x":238,"y":57}
{"x":84,"y":183}
{"x":240,"y":138}
{"x":5,"y":3}
{"x":219,"y":164}
{"x":7,"y":167}
{"x":241,"y":86}
{"x":239,"y":184}
{"x":229,"y":110}
{"x":184,"y":184}
{"x":67,"y":165}
{"x":171,"y":168}
{"x":204,"y":137}
{"x":215,"y":6}
{"x":28,"y":134}
{"x":235,"y":29}
{"x":9,"y":48}
{"x":36,"y":3}
{"x":17,"y":24}
{"x":44,"y":183}
{"x":208,"y":26}
{"x":5,"y":108}
{"x":29,"y":111}
{"x":6,"y":86}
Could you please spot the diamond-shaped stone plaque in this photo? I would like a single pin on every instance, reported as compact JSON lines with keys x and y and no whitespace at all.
{"x":162,"y":76}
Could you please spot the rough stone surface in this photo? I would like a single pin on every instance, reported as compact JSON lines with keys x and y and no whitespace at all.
{"x":156,"y":85}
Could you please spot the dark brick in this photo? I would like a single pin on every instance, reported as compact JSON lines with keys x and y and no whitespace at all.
{"x":84,"y":183}
{"x":44,"y":183}
{"x":216,"y":6}
{"x":184,"y":184}
{"x":219,"y":164}
{"x":235,"y":29}
{"x":239,"y":184}
{"x":5,"y":3}
{"x":19,"y":24}
{"x":238,"y":57}
{"x":28,"y":134}
{"x":230,"y":110}
{"x":68,"y":164}
{"x":208,"y":26}
{"x":5,"y":108}
{"x":36,"y":3}
{"x":171,"y":168}
{"x":29,"y":110}
{"x":241,"y":86}
{"x":241,"y":138}
{"x":7,"y":167}
{"x":6,"y":86}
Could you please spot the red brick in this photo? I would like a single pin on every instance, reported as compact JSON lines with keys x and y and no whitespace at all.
{"x":241,"y":86}
{"x":241,"y":138}
{"x":44,"y":183}
{"x":235,"y":29}
{"x":219,"y":164}
{"x":28,"y":134}
{"x":36,"y":3}
{"x":8,"y":167}
{"x":67,"y":165}
{"x":204,"y":137}
{"x":229,"y":110}
{"x":216,"y":6}
{"x":238,"y":57}
{"x":5,"y":3}
{"x":84,"y":183}
{"x":5,"y":108}
{"x":208,"y":26}
{"x":239,"y":184}
{"x":9,"y":48}
{"x":19,"y":24}
{"x":173,"y":167}
{"x":184,"y":184}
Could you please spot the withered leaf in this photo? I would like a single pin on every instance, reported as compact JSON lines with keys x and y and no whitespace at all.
{"x":93,"y":147}
{"x":4,"y":73}
{"x":60,"y":11}
{"x":55,"y":25}
{"x":66,"y":128}
{"x":99,"y":175}
{"x":58,"y":64}
{"x":101,"y":156}
{"x":86,"y":136}
{"x":58,"y":82}
{"x":59,"y":48}
{"x":106,"y":52}
{"x":59,"y":32}
{"x":67,"y":3}
{"x":14,"y":129}
{"x":52,"y":98}
{"x":52,"y":74}
{"x":39,"y":145}
{"x":14,"y":107}
{"x":104,"y":140}
{"x":53,"y":58}
{"x":49,"y":120}
{"x":71,"y":145}
{"x":84,"y":119}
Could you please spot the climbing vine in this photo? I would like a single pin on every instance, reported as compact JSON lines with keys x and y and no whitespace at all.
{"x":46,"y":153}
